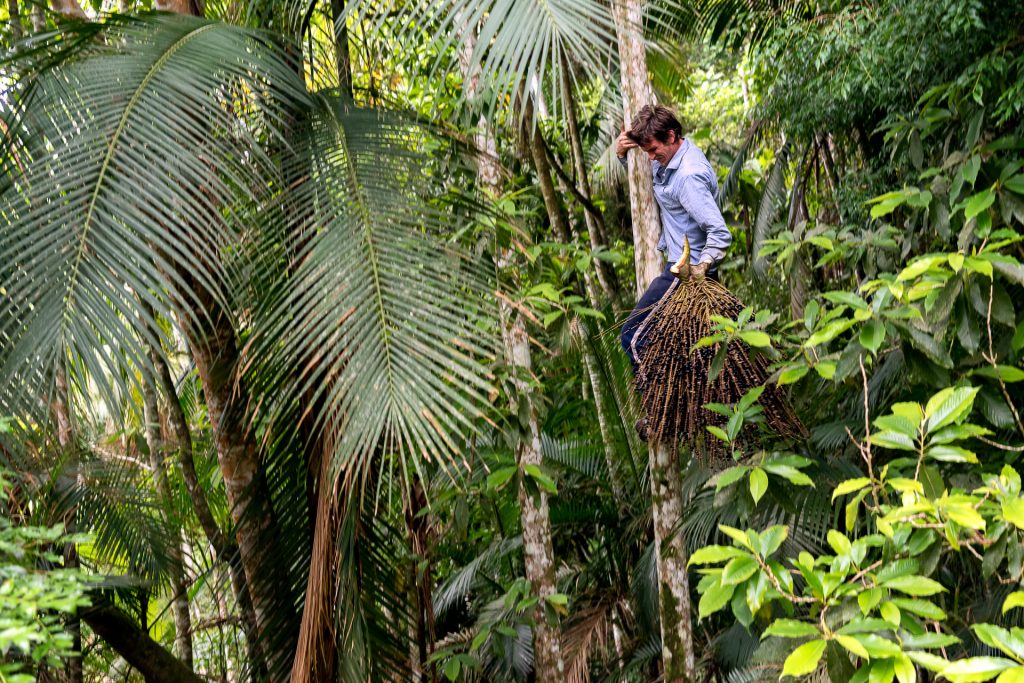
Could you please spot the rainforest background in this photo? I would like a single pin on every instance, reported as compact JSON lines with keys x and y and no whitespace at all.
{"x":309,"y":365}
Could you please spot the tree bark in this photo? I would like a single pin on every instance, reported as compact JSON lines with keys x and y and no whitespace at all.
{"x":674,"y":591}
{"x":531,"y":132}
{"x":601,"y":406}
{"x":341,"y":51}
{"x":176,"y":571}
{"x":15,"y":17}
{"x":223,"y":545}
{"x":121,"y":632}
{"x":315,"y":653}
{"x":549,"y":665}
{"x":636,"y":92}
{"x":595,"y":224}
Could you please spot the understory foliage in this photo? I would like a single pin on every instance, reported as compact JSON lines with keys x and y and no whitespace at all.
{"x":252,"y":279}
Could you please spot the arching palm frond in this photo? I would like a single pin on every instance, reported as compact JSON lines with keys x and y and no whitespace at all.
{"x":124,"y":167}
{"x":771,"y":203}
{"x":519,"y":49}
{"x":375,"y":328}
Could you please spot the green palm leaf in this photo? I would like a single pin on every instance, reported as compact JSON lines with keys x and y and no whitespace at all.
{"x":125,"y":164}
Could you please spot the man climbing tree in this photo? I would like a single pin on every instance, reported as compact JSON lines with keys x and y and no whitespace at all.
{"x":685,"y":188}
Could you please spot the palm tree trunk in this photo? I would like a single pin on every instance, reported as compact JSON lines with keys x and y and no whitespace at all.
{"x":315,"y":653}
{"x":601,"y":406}
{"x":60,"y":407}
{"x":537,"y":550}
{"x":666,"y":482}
{"x":595,"y":227}
{"x":223,"y":545}
{"x":670,"y":546}
{"x":15,"y":17}
{"x":636,"y":92}
{"x":179,"y":585}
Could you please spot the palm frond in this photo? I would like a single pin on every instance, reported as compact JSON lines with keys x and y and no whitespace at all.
{"x":129,"y":160}
{"x":732,"y":179}
{"x":375,"y":329}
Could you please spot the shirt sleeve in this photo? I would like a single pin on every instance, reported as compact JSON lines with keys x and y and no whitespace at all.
{"x":699,"y":201}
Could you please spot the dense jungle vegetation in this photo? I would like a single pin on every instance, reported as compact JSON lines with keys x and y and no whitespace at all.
{"x":309,"y":358}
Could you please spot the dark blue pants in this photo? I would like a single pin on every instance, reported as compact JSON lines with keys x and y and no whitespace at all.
{"x":657,"y":289}
{"x":652,"y":296}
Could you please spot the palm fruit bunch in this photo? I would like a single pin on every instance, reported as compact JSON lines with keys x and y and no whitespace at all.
{"x":673,"y":374}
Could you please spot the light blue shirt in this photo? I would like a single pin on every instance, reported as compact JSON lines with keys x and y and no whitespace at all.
{"x":685,"y":190}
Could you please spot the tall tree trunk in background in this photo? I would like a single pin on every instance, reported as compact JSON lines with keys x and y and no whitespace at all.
{"x":549,"y":666}
{"x":595,"y":228}
{"x":179,"y":584}
{"x":60,"y":406}
{"x":223,"y":545}
{"x":214,"y":347}
{"x":666,"y":479}
{"x":341,"y":50}
{"x":636,"y":92}
{"x":536,"y":519}
{"x":674,"y":589}
{"x":15,"y":17}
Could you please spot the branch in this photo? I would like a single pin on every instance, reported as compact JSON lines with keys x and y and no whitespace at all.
{"x":586,"y":203}
{"x":120,"y":631}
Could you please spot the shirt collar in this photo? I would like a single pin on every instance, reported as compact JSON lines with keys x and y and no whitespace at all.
{"x":677,"y":158}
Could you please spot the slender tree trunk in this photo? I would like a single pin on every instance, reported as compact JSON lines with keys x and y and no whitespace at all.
{"x":636,"y":92}
{"x":674,"y":592}
{"x":223,"y":545}
{"x":179,"y":584}
{"x":600,"y":404}
{"x":341,"y":49}
{"x":15,"y":16}
{"x":595,"y":227}
{"x":60,"y":406}
{"x":38,"y":18}
{"x":537,"y":550}
{"x":531,"y":132}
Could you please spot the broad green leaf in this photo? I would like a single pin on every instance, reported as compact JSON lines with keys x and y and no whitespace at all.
{"x":1007,"y":373}
{"x":825,"y":369}
{"x":804,"y":659}
{"x":905,"y":671}
{"x":949,"y":406}
{"x":850,"y":485}
{"x":840,"y":543}
{"x":829,"y":332}
{"x":978,"y":203}
{"x":498,"y":478}
{"x":877,"y":646}
{"x":921,"y":608}
{"x":788,"y":473}
{"x":917,"y":586}
{"x":1010,"y":644}
{"x":1015,"y":599}
{"x":1015,"y":675}
{"x":867,"y":599}
{"x":976,"y":669}
{"x":715,"y":553}
{"x":1013,"y":512}
{"x":756,"y":338}
{"x":543,"y":480}
{"x":758,"y":484}
{"x":731,"y":476}
{"x":452,"y":669}
{"x":718,"y":432}
{"x":872,"y":334}
{"x":790,"y":628}
{"x":772,"y":538}
{"x":853,"y":645}
{"x":738,"y":570}
{"x":927,"y":660}
{"x":944,"y":453}
{"x":736,"y":535}
{"x":891,"y":613}
{"x":715,"y":598}
{"x":793,"y":374}
{"x":928,"y":640}
{"x":891,"y":439}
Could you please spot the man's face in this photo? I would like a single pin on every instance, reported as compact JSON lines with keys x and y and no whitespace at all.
{"x":659,"y":151}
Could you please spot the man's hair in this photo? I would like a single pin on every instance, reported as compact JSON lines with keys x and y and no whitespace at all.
{"x":654,"y":123}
